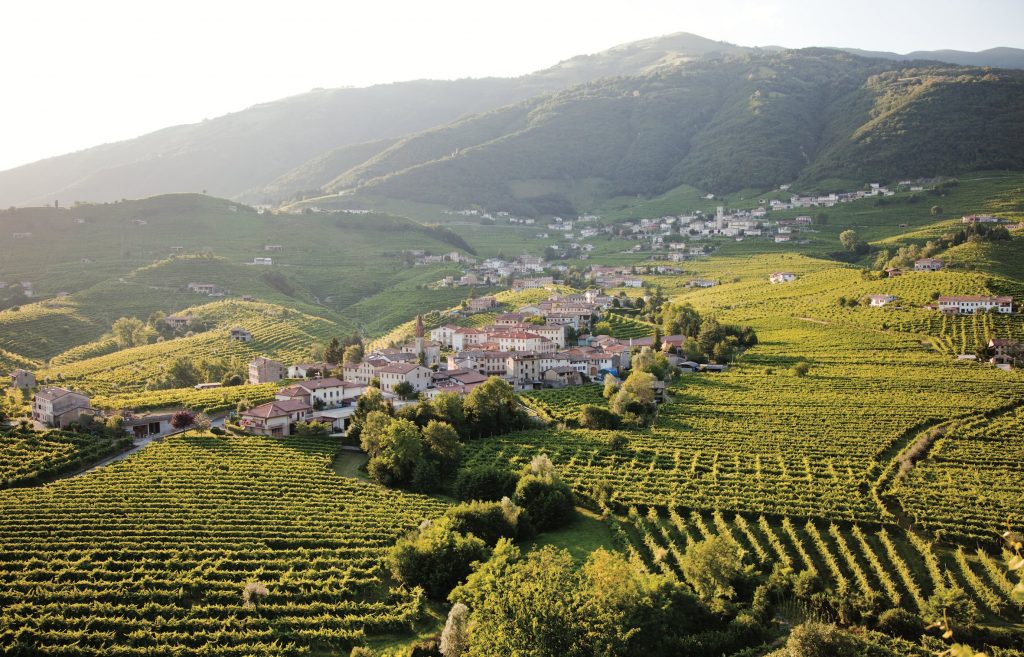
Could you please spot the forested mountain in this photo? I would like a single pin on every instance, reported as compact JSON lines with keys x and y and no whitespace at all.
{"x":336,"y":137}
{"x":751,"y":121}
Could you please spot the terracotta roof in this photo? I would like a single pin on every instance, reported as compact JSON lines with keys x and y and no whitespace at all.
{"x":277,"y":409}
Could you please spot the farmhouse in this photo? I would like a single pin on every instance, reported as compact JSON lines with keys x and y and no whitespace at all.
{"x":202,"y":288}
{"x":532,"y":283}
{"x":1003,"y":350}
{"x":23,"y":379}
{"x":148,"y":425}
{"x":273,"y":248}
{"x":879,"y":300}
{"x":782,"y":277}
{"x":971,"y":304}
{"x":893,"y":272}
{"x":59,"y":407}
{"x":928,"y":264}
{"x":481,"y":304}
{"x":240,"y":335}
{"x":265,"y":370}
{"x":177,"y":321}
{"x":262,"y":261}
{"x":276,"y":418}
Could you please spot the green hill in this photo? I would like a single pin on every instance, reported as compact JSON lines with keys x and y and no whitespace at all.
{"x":720,"y":125}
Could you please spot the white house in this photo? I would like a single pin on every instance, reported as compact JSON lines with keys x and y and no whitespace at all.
{"x":276,"y":418}
{"x":323,"y":393}
{"x":928,"y":264}
{"x":879,"y":300}
{"x":782,"y":277}
{"x":971,"y":304}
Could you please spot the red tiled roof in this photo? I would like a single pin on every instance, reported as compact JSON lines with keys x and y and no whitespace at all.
{"x":277,"y":409}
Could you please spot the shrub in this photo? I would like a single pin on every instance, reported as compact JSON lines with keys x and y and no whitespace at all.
{"x":547,"y":499}
{"x":436,"y":557}
{"x":597,"y":417}
{"x":813,"y":639}
{"x":487,"y":520}
{"x":900,"y":623}
{"x":484,"y":482}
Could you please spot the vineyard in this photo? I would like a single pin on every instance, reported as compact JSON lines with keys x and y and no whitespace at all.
{"x":626,"y":327}
{"x":965,"y":334}
{"x":150,"y":556}
{"x":878,"y":563}
{"x":970,"y":483}
{"x":277,"y":332}
{"x":30,"y":457}
{"x":202,"y":401}
{"x":758,"y":439}
{"x":563,"y":404}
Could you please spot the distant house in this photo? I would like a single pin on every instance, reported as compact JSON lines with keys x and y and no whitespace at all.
{"x":309,"y":370}
{"x":979,"y":219}
{"x":262,"y":261}
{"x":1003,"y":350}
{"x":265,"y":370}
{"x":202,"y":288}
{"x":782,"y":277}
{"x":482,"y":304}
{"x":779,"y":239}
{"x":21,"y":236}
{"x":532,"y":283}
{"x":276,"y":418}
{"x":879,"y":300}
{"x":177,"y":321}
{"x":562,"y":376}
{"x":928,"y":264}
{"x":701,"y":282}
{"x":273,"y":248}
{"x":971,"y":304}
{"x":23,"y":379}
{"x":240,"y":335}
{"x":59,"y":407}
{"x":893,"y":272}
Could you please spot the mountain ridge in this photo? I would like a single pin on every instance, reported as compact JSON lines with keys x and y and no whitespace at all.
{"x":277,"y":151}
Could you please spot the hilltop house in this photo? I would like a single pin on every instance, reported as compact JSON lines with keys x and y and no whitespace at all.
{"x":59,"y":407}
{"x":23,"y":379}
{"x":879,"y":300}
{"x":971,"y":304}
{"x":265,"y":370}
{"x":276,"y":418}
{"x":928,"y":264}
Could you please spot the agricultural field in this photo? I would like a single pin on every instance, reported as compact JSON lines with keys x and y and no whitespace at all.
{"x":150,"y":556}
{"x":563,"y":404}
{"x":277,"y":332}
{"x":970,"y":483}
{"x":30,"y":457}
{"x":759,"y":439}
{"x":214,"y":400}
{"x":883,"y":564}
{"x":624,"y":327}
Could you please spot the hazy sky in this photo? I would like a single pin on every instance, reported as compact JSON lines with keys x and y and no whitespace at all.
{"x":80,"y":73}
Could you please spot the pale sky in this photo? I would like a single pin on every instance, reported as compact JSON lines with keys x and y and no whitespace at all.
{"x":80,"y":73}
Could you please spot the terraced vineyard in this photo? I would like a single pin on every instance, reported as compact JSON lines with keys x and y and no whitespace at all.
{"x":29,"y":457}
{"x":203,"y":401}
{"x":879,"y":563}
{"x":970,"y":483}
{"x":563,"y":404}
{"x":150,"y":556}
